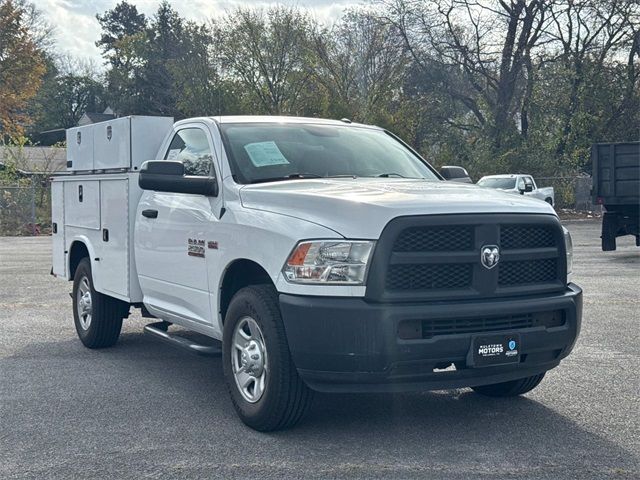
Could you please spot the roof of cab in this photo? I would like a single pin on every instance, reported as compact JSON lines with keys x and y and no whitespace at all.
{"x":507,"y":175}
{"x":283,"y":119}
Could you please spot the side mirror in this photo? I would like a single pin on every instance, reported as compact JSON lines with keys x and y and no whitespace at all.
{"x":455,"y":174}
{"x":527,"y":188}
{"x":168,"y":176}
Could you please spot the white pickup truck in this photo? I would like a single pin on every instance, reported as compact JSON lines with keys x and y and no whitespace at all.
{"x":518,"y":184}
{"x":323,"y":255}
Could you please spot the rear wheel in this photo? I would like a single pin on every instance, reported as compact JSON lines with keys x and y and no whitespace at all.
{"x":97,"y":317}
{"x":510,"y":389}
{"x":265,"y":388}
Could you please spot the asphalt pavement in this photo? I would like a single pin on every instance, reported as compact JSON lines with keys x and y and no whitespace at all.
{"x":144,"y":409}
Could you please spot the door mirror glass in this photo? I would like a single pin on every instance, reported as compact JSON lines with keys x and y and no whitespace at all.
{"x":169,"y":176}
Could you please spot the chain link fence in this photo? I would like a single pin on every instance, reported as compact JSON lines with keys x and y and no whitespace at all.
{"x":25,"y":208}
{"x":573,"y":193}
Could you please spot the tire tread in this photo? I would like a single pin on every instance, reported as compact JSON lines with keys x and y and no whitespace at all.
{"x":107,"y":314}
{"x":295,"y":397}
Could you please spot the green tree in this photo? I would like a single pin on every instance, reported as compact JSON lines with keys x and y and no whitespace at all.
{"x":69,"y":89}
{"x":120,"y":22}
{"x":268,"y":52}
{"x":123,"y":35}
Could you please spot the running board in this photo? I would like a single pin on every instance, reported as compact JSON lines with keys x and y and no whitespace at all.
{"x":159,"y":330}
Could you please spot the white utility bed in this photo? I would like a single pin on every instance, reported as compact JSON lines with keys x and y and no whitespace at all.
{"x":96,"y":204}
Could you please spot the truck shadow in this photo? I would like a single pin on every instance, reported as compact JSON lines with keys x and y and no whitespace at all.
{"x":424,"y":430}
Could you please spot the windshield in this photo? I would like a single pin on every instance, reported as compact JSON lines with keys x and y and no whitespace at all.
{"x":504,"y":183}
{"x":267,"y":152}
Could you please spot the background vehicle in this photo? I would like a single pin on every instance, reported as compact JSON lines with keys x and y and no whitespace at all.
{"x":522,"y":184}
{"x":616,"y":186}
{"x":323,"y":255}
{"x":455,"y":174}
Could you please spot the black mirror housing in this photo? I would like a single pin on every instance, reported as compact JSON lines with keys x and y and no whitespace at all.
{"x":455,"y":174}
{"x":168,"y":176}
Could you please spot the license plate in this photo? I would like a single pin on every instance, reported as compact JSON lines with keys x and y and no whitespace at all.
{"x":487,"y":350}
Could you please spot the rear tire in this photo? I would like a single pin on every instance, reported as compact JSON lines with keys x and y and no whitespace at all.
{"x":256,"y":355}
{"x":97,"y":317}
{"x":510,"y":389}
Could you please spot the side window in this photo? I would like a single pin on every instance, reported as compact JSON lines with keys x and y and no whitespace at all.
{"x":528,"y":181}
{"x":191,"y":147}
{"x":520,"y":183}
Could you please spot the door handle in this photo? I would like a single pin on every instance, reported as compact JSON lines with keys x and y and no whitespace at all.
{"x":150,"y":213}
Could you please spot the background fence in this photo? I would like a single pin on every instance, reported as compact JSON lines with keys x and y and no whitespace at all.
{"x":570,"y":192}
{"x":25,"y":208}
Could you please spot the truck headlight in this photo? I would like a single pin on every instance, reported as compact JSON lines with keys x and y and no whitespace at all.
{"x":329,"y":262}
{"x":568,"y":243}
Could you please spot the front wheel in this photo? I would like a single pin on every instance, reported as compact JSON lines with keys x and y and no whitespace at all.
{"x":510,"y":389}
{"x":98,"y":317}
{"x":263,"y":382}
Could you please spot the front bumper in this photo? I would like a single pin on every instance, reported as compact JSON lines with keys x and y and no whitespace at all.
{"x":350,"y":345}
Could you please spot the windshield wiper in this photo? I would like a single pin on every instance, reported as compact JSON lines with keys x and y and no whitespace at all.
{"x":387,"y":175}
{"x":303,"y":175}
{"x":288,"y":177}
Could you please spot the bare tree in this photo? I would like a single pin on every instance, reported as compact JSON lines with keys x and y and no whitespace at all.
{"x":361,"y":63}
{"x":476,"y":51}
{"x":588,"y":34}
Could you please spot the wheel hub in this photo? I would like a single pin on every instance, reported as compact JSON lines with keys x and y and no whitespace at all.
{"x":84,"y":303}
{"x":252,"y":359}
{"x":249,"y":359}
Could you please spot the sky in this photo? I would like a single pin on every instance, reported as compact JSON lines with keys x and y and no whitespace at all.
{"x":76,"y":27}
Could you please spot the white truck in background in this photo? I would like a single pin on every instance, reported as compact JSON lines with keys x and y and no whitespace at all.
{"x":518,"y":184}
{"x":322,"y":255}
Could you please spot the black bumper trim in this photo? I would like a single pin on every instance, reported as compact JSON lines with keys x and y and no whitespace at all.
{"x":351,"y":345}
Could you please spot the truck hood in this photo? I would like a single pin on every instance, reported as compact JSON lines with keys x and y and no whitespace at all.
{"x":361,"y":207}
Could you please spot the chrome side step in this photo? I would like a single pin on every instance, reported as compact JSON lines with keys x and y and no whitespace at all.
{"x":159,"y":330}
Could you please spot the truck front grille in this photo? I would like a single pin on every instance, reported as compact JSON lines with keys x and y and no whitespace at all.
{"x":514,"y":237}
{"x":438,"y":257}
{"x":429,"y":277}
{"x":434,"y":239}
{"x":527,"y":271}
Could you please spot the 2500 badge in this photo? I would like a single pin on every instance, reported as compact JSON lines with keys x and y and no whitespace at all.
{"x":195,"y":248}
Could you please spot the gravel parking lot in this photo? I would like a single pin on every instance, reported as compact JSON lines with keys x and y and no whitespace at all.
{"x":145,"y":409}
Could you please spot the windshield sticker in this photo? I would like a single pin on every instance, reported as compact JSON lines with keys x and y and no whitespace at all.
{"x":264,"y":154}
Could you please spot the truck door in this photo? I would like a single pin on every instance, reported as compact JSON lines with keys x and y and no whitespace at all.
{"x":171,"y":233}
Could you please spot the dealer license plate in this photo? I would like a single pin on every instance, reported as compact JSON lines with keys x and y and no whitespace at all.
{"x":487,"y":350}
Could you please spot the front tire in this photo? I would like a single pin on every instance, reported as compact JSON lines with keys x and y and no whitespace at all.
{"x":510,"y":389}
{"x":97,"y":317}
{"x":263,"y":382}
